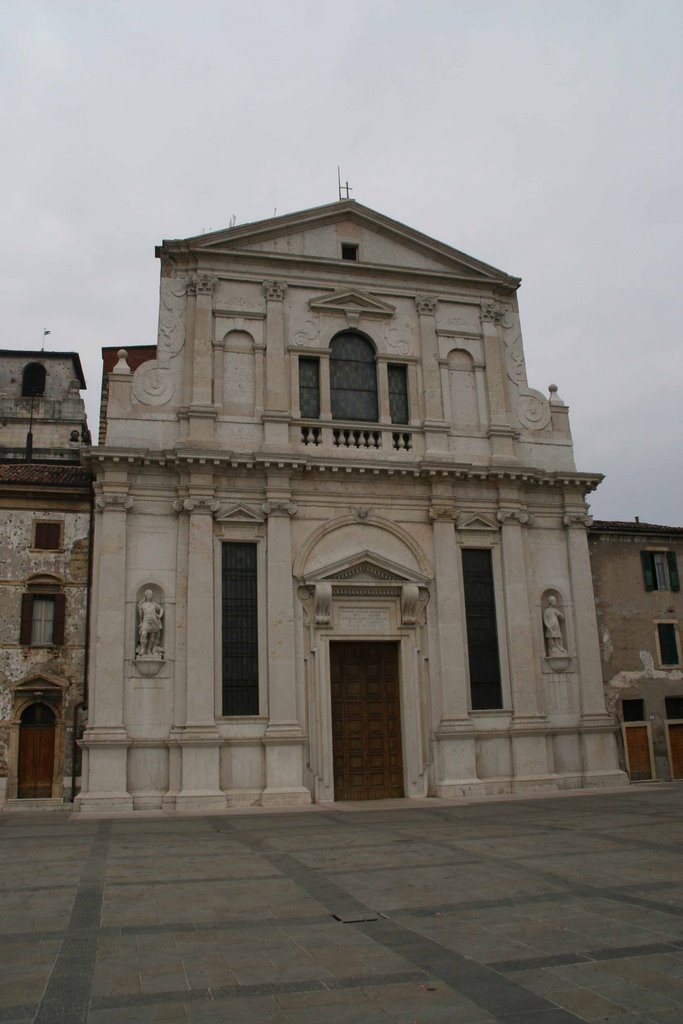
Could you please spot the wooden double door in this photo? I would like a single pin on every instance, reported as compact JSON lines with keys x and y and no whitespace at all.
{"x":366,"y":720}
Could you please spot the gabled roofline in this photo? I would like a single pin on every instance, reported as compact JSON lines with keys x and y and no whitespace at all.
{"x":316,"y":215}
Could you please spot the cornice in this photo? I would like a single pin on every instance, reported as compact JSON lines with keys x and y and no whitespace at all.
{"x":335,"y":466}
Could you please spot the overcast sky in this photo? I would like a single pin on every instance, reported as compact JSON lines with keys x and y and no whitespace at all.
{"x":542,"y":137}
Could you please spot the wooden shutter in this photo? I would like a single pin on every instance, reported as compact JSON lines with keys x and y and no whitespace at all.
{"x":48,"y":536}
{"x":26,"y":618}
{"x":668,"y":648}
{"x":673,"y":571}
{"x":58,"y":626}
{"x":648,"y":570}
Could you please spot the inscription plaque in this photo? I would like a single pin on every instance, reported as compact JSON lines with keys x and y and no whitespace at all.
{"x":364,"y":620}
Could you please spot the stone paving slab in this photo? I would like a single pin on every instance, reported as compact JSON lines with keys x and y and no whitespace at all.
{"x":518,"y":911}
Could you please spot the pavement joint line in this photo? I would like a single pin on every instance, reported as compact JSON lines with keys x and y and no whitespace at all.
{"x":67,"y":995}
{"x":586,"y":956}
{"x":487,"y":988}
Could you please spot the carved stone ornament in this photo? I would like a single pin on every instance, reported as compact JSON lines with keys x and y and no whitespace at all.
{"x":410,"y":594}
{"x":492,"y":313}
{"x":398,"y":339}
{"x":152,"y":384}
{"x":195,"y":504}
{"x":577,"y":520}
{"x":444,"y":512}
{"x":425,"y":305}
{"x":118,"y":502}
{"x":149,"y":629}
{"x":274,"y":291}
{"x":515,"y":515}
{"x":201,"y":284}
{"x":308,"y":335}
{"x":279,"y":508}
{"x":361,"y":513}
{"x":323,"y":604}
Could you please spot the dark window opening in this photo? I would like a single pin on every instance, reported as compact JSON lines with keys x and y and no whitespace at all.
{"x":33,"y":381}
{"x":660,"y":571}
{"x":674,"y":707}
{"x":349,"y":251}
{"x":240,"y":630}
{"x":482,"y":633}
{"x":47,"y":536}
{"x":633,"y":710}
{"x":668,"y":644}
{"x":398,"y":393}
{"x":353,"y":378}
{"x":309,"y":388}
{"x":42,"y":618}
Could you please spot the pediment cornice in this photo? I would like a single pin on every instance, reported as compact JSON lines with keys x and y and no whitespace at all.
{"x":352,"y":301}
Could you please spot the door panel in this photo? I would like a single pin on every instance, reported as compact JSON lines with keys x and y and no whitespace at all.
{"x":36,"y":760}
{"x":638,"y":749}
{"x":366,"y":720}
{"x":676,"y":743}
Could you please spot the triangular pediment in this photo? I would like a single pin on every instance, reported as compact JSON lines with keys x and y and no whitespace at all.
{"x":238,"y":513}
{"x":365,"y":567}
{"x":476,"y":521}
{"x":352,"y":302}
{"x":39,"y":681}
{"x":316,"y":235}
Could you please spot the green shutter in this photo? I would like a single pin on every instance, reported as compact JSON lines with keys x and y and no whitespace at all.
{"x":673,"y":571}
{"x":648,"y":570}
{"x":668,"y":648}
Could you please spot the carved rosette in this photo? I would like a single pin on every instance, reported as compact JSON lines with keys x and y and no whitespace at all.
{"x":577,"y":520}
{"x":514,"y":516}
{"x":425,"y":305}
{"x":197,"y":505}
{"x":279,"y":508}
{"x":113,"y":502}
{"x":152,"y":384}
{"x":274,"y":291}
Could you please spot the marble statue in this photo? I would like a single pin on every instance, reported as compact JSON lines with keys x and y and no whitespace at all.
{"x":150,"y":614}
{"x":552,"y":627}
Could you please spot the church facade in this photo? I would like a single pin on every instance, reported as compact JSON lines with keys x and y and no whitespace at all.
{"x":340,"y":544}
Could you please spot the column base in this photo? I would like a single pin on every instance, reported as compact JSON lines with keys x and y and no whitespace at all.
{"x":201,"y":801}
{"x":103,"y":803}
{"x":534,"y":784}
{"x":284,"y":796}
{"x":460,"y":789}
{"x":605,"y":780}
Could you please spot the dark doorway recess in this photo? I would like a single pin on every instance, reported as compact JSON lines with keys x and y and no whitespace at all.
{"x":36,"y":751}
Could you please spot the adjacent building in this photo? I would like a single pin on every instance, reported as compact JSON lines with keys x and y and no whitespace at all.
{"x":340,"y":543}
{"x":640,"y":608}
{"x":45,"y":514}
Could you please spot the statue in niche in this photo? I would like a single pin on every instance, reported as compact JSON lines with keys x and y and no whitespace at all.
{"x":150,"y":614}
{"x":552,"y":628}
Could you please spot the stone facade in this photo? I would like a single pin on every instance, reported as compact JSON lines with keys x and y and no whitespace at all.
{"x":343,"y":401}
{"x":639,"y":607}
{"x":44,"y":545}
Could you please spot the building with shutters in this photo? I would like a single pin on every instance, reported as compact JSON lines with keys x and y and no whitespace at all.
{"x":45,"y":514}
{"x":639,"y":607}
{"x":340,"y":543}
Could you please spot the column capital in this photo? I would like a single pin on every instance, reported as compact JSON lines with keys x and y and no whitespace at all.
{"x":492,"y":313}
{"x":279,"y":508}
{"x":444,"y":513}
{"x":196,"y":504}
{"x":274,"y":291}
{"x":201,"y":284}
{"x":116,"y":502}
{"x":425,"y":305}
{"x":515,"y":515}
{"x":577,"y":520}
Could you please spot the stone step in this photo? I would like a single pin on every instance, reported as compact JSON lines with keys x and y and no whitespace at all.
{"x":38,"y":804}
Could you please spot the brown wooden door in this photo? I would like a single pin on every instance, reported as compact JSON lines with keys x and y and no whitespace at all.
{"x":36,"y":752}
{"x":366,"y":720}
{"x":676,"y":744}
{"x":638,"y":749}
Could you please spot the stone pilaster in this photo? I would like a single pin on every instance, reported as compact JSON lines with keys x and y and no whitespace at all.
{"x":501,"y":433}
{"x":198,"y":738}
{"x":284,"y":735}
{"x":456,"y":743}
{"x":529,"y":750}
{"x":598,"y":739}
{"x":435,"y":426}
{"x":276,"y":414}
{"x":105,"y":741}
{"x":202,"y":412}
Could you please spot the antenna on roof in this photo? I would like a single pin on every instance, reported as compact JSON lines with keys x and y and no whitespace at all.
{"x":343,"y":188}
{"x":233,"y":220}
{"x":45,"y":333}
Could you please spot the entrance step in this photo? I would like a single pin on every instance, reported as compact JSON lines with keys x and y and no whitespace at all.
{"x":37,"y":804}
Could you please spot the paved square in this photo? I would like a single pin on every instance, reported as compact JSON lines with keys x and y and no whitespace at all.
{"x":534,"y":911}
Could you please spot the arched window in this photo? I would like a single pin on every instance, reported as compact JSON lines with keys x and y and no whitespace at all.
{"x":353,"y":378}
{"x":33,"y":381}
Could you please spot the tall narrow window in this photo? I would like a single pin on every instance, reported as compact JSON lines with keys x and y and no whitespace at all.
{"x":309,"y":387}
{"x":668,"y":644}
{"x":482,"y":635}
{"x":398,"y":393}
{"x":660,"y":571}
{"x":33,"y":381}
{"x":353,"y":378}
{"x":240,"y":630}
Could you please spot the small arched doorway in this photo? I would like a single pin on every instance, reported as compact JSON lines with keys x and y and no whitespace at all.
{"x":36,"y":752}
